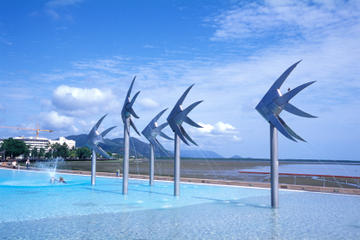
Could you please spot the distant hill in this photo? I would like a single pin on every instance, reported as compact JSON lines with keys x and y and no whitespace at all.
{"x":199,"y":154}
{"x":236,"y":156}
{"x":139,"y":148}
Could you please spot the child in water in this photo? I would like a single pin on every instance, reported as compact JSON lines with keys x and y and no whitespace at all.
{"x":53,"y":180}
{"x":61,"y":180}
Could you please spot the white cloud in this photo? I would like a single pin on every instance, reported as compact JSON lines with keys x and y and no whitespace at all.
{"x":218,"y":128}
{"x":224,"y":127}
{"x":56,"y":121}
{"x":76,"y":101}
{"x":285,"y":19}
{"x":206,"y":128}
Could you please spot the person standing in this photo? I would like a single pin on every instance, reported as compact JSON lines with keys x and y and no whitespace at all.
{"x":27,"y":164}
{"x":14,"y":164}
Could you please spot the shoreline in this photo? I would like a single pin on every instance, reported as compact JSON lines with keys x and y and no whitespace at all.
{"x":284,"y":186}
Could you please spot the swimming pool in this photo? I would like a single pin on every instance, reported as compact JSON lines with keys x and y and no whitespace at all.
{"x":32,"y":208}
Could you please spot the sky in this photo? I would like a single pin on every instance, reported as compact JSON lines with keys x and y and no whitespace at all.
{"x":66,"y":63}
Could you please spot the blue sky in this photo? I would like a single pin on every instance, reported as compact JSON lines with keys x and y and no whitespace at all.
{"x":65,"y":63}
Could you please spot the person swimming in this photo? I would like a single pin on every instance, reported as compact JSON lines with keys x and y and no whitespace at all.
{"x":61,"y":180}
{"x":53,"y":180}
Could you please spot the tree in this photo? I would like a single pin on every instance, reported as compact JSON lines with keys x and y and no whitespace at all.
{"x":27,"y":152}
{"x":72,"y":153}
{"x":34,"y":152}
{"x":83,"y":153}
{"x":13,"y":147}
{"x":48,"y":154}
{"x":41,"y":152}
{"x":60,"y":150}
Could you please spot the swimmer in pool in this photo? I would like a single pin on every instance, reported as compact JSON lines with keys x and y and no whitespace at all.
{"x":61,"y":180}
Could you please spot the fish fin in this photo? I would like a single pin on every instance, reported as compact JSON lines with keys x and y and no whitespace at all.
{"x":183,"y":96}
{"x":191,"y":122}
{"x":107,"y":131}
{"x":290,"y":131}
{"x":101,"y":151}
{"x":294,"y":110}
{"x":289,"y":95}
{"x":187,"y":135}
{"x":165,"y":136}
{"x":133,"y":126}
{"x":180,"y":134}
{"x":274,"y":120}
{"x":96,"y":126}
{"x":190,"y":107}
{"x":277,"y":84}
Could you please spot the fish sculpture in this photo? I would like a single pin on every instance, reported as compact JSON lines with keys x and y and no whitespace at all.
{"x":178,"y":115}
{"x":152,"y":130}
{"x":127,"y":110}
{"x":274,"y":102}
{"x":94,"y":138}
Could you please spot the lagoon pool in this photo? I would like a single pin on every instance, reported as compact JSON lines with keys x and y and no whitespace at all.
{"x":32,"y":208}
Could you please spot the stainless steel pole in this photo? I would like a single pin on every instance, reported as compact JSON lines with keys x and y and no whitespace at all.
{"x":93,"y":167}
{"x":151,"y":165}
{"x":126,"y":156}
{"x":274,"y":167}
{"x":177,"y":166}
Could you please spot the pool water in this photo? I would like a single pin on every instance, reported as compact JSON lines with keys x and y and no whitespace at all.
{"x":32,"y":208}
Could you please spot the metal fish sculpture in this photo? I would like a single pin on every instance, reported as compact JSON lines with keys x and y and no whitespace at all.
{"x":150,"y":132}
{"x":126,"y":113}
{"x":270,"y":107}
{"x":274,"y":102}
{"x":127,"y":110}
{"x":93,"y":139}
{"x":177,"y":116}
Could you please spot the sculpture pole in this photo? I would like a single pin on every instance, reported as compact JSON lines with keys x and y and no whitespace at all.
{"x":151,"y":165}
{"x":93,"y":139}
{"x":150,"y":132}
{"x":126,"y":157}
{"x":177,"y":116}
{"x":274,"y":167}
{"x":177,"y":166}
{"x":126,"y":113}
{"x":270,"y":107}
{"x":93,"y":167}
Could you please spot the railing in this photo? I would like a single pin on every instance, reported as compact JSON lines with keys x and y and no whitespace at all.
{"x":311,"y":179}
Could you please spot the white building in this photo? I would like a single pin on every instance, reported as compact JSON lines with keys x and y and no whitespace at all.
{"x":45,"y":143}
{"x":62,"y":140}
{"x":33,"y":142}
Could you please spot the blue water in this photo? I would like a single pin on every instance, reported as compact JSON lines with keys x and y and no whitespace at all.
{"x":32,"y":208}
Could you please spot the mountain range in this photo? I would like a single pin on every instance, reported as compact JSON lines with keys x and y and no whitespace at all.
{"x":139,"y":148}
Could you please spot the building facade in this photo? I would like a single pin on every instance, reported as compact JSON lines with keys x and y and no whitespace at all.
{"x":33,"y":142}
{"x":62,"y":140}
